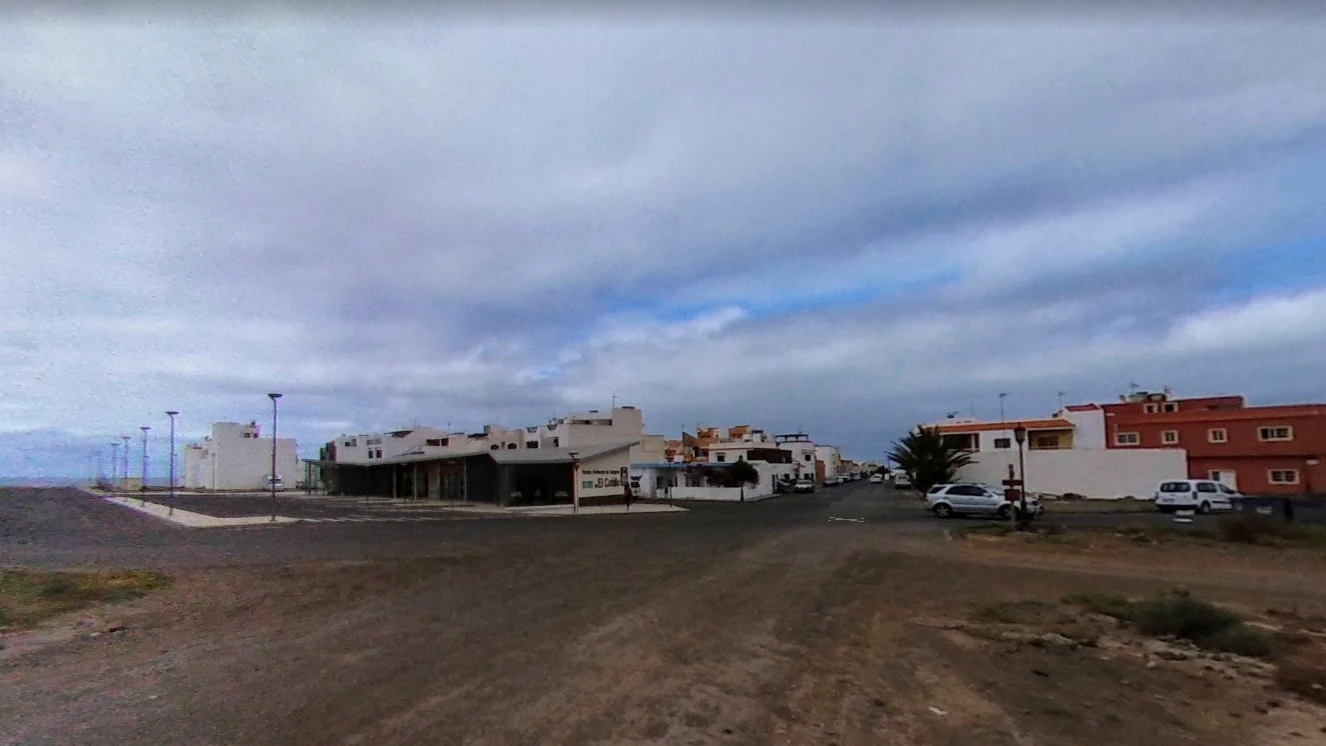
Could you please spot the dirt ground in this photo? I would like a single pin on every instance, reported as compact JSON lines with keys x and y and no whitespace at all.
{"x":838,"y":633}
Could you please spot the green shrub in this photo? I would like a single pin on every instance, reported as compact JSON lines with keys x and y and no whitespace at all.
{"x":1102,"y":603}
{"x":1240,"y":639}
{"x":1181,"y":616}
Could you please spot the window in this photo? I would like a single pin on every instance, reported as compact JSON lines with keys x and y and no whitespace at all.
{"x":966,"y":489}
{"x":494,"y":447}
{"x":1217,"y":435}
{"x":1206,"y":487}
{"x":511,"y":446}
{"x":1283,"y":476}
{"x":1003,"y":443}
{"x":720,"y":457}
{"x":1170,"y":406}
{"x":1150,"y":408}
{"x":1045,"y":442}
{"x":1127,"y":439}
{"x":437,"y":441}
{"x":1225,"y":490}
{"x":1176,"y":487}
{"x":1280,"y":432}
{"x":531,"y":444}
{"x":810,"y":457}
{"x":352,"y":443}
{"x":1169,"y":437}
{"x":557,"y":442}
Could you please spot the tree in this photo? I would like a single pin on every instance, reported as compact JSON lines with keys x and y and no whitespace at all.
{"x":741,"y":473}
{"x":928,"y":459}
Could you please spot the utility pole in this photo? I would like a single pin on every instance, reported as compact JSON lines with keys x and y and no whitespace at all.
{"x":115,"y":464}
{"x":1002,"y":397}
{"x":142,"y":486}
{"x":125,"y":455}
{"x":273,"y":397}
{"x":1061,"y":399}
{"x":171,"y":414}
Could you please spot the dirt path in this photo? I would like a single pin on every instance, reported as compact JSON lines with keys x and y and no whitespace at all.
{"x":822,"y":634}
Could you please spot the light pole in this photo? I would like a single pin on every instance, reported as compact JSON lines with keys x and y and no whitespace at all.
{"x":272,"y":478}
{"x":115,"y":464}
{"x":1002,"y":397}
{"x":124,"y":475}
{"x":142,"y":482}
{"x":1020,"y":433}
{"x":575,"y":481}
{"x":171,"y":413}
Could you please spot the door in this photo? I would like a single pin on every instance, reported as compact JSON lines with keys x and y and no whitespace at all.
{"x":967,"y":498}
{"x":1227,"y":477}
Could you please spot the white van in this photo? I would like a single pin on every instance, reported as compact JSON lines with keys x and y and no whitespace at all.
{"x":1201,"y":495}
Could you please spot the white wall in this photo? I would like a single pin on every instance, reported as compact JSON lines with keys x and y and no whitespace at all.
{"x":1103,"y":473}
{"x":721,"y":494}
{"x":234,"y":457}
{"x":830,"y":456}
{"x":1089,"y":428}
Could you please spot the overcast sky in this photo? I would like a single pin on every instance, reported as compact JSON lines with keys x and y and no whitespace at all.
{"x":843,"y":226}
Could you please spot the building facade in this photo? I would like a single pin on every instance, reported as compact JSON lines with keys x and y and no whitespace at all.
{"x":584,"y":456}
{"x":1259,"y":450}
{"x":1062,"y":454}
{"x":235,"y":456}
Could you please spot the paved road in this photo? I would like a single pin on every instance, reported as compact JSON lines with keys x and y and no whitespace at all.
{"x":60,"y":526}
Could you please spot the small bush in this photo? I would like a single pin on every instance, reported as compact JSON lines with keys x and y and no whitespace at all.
{"x":1181,"y":616}
{"x":1256,"y":529}
{"x":1240,"y":639}
{"x":1107,"y":604}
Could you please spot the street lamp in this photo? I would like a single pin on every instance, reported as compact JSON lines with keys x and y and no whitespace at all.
{"x":142,"y":482}
{"x":125,"y":455}
{"x":171,"y":413}
{"x":115,"y":465}
{"x":1020,"y":434}
{"x":575,"y":481}
{"x":273,"y":397}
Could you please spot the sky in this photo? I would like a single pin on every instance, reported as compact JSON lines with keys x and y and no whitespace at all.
{"x":844,"y":225}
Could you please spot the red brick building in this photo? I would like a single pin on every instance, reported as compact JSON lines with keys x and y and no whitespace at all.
{"x":1260,"y":450}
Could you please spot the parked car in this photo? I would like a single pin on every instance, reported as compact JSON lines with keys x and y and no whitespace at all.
{"x":1201,"y":495}
{"x":804,"y":485}
{"x":268,"y":483}
{"x":877,"y":479}
{"x":902,"y":479}
{"x":946,"y":500}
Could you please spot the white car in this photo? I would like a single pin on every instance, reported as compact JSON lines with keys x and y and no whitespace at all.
{"x":902,"y":479}
{"x":877,"y":479}
{"x":947,"y":500}
{"x":1201,"y":495}
{"x":804,"y":485}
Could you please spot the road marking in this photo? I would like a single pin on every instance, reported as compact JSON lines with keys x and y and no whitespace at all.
{"x":851,"y":520}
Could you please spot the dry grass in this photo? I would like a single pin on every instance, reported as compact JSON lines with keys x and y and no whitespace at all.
{"x":1180,"y":615}
{"x":28,"y":597}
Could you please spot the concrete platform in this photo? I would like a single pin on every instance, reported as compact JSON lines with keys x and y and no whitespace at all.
{"x":189,"y":518}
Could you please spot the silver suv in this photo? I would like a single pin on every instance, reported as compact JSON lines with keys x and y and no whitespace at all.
{"x":947,"y":500}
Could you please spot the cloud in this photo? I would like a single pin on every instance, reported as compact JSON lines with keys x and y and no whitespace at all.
{"x":844,"y":226}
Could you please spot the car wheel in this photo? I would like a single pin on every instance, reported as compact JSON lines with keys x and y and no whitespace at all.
{"x":1002,"y":513}
{"x":943,"y":511}
{"x":1204,"y":508}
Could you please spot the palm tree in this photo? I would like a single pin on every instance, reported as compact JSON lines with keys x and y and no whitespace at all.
{"x":928,"y":459}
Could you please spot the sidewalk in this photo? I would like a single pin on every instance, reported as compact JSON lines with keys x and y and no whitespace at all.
{"x":188,"y":518}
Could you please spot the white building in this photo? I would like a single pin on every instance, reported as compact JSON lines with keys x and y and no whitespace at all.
{"x":236,"y":457}
{"x":584,"y":456}
{"x":1065,"y":453}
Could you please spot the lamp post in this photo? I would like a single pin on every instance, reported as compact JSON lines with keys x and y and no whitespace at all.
{"x":575,"y":482}
{"x":171,"y":414}
{"x":1020,"y":434}
{"x":115,"y":464}
{"x":124,"y":475}
{"x":142,"y":481}
{"x":272,"y":478}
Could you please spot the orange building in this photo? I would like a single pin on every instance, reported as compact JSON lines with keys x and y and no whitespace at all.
{"x":1268,"y":449}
